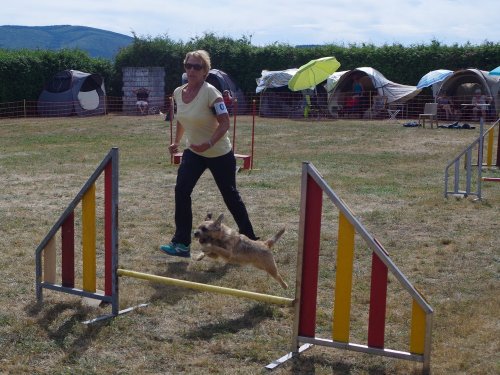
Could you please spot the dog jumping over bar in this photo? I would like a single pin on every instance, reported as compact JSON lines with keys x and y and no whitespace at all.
{"x":220,"y":241}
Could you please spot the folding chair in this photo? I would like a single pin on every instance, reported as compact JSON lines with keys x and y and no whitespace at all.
{"x":379,"y":104}
{"x":430,"y":113}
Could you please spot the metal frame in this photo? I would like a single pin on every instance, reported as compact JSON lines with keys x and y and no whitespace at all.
{"x":308,"y":170}
{"x":467,"y":156}
{"x":111,"y":159}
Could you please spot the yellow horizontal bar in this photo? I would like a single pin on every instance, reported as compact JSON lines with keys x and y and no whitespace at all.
{"x":209,"y":288}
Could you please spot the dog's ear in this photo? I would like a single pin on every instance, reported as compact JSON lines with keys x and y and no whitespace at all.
{"x":209,"y":216}
{"x":219,"y":219}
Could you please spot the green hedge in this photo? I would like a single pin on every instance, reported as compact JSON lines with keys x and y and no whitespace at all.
{"x":24,"y":72}
{"x":244,"y":62}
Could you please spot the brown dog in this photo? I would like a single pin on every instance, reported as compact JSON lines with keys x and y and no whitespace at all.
{"x":220,"y":241}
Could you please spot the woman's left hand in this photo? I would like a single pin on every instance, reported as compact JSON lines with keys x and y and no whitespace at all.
{"x":200,"y":147}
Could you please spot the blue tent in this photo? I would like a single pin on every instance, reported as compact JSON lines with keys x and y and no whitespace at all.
{"x":72,"y":92}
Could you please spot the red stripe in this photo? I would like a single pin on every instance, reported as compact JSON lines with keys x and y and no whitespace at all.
{"x":378,"y":300}
{"x":108,"y":229}
{"x":310,"y":261}
{"x":68,"y":251}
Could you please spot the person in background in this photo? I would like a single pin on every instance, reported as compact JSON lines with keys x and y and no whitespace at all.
{"x":353,"y":104}
{"x":142,"y":103}
{"x":479,"y":103}
{"x":446,"y":104}
{"x":228,"y":101}
{"x":208,"y":147}
{"x":357,"y":87}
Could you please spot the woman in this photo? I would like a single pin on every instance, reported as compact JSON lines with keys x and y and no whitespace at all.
{"x":479,"y":104}
{"x":446,"y":104}
{"x":208,"y":147}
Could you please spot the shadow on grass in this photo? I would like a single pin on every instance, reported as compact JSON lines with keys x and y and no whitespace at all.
{"x":180,"y":270}
{"x":308,"y":365}
{"x":250,"y":319}
{"x":63,"y":325}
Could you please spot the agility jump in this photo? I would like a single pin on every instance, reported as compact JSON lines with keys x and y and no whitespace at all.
{"x":469,"y":182}
{"x":305,"y":301}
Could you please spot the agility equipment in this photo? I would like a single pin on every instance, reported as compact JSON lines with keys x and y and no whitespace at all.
{"x":469,"y":182}
{"x":208,"y":288}
{"x":312,"y":190}
{"x":313,"y":187}
{"x":247,"y":159}
{"x":66,"y":226}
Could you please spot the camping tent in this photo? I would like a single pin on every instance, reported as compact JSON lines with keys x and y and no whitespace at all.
{"x":276,"y":99}
{"x":222,"y":81}
{"x":72,"y":92}
{"x":332,"y":81}
{"x":374,"y":83}
{"x":460,"y":86}
{"x":274,"y":79}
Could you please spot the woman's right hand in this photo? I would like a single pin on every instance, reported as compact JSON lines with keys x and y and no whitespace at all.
{"x":173,"y":148}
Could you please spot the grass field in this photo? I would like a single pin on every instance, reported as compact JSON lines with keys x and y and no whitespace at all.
{"x":390,"y":176}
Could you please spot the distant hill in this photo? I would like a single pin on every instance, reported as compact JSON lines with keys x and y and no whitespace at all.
{"x":97,"y":42}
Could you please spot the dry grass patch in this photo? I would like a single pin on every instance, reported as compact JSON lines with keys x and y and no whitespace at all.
{"x":390,"y":176}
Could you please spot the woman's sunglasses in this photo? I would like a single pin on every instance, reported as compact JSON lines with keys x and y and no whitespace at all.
{"x":188,"y":66}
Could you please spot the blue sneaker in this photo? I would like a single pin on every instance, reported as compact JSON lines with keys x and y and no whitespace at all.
{"x":176,"y":250}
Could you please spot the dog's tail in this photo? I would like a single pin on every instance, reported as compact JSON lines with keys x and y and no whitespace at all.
{"x":270,"y":242}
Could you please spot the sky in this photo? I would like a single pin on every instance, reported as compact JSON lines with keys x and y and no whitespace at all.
{"x":265,"y":22}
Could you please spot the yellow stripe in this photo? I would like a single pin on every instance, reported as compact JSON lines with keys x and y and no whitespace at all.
{"x":89,"y":240}
{"x":343,"y":283}
{"x":417,"y":337}
{"x":208,"y":288}
{"x":49,"y":262}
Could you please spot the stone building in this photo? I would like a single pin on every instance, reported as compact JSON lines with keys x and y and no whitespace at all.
{"x":143,"y":84}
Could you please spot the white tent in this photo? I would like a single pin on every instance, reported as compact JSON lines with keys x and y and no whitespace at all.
{"x":276,"y":99}
{"x":274,"y":78}
{"x":332,"y":81}
{"x":372,"y":81}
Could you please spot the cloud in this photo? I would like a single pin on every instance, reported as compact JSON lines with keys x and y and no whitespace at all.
{"x":292,"y":21}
